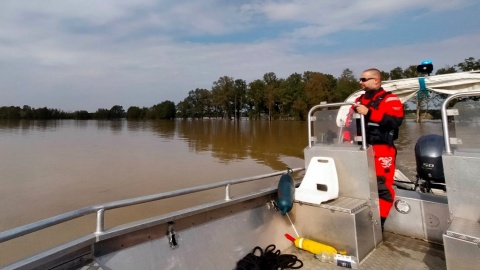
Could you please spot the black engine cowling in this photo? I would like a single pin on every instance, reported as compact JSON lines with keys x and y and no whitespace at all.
{"x":428,"y":155}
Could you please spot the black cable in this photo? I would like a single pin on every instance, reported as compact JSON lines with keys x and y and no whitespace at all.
{"x":268,"y":260}
{"x":288,"y":261}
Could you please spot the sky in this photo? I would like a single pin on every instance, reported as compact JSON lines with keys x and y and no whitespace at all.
{"x":91,"y":54}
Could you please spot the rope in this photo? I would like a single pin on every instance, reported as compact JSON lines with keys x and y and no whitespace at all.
{"x":268,"y":260}
{"x":293,"y":226}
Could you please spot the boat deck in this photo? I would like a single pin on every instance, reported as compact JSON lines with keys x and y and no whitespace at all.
{"x":396,"y":252}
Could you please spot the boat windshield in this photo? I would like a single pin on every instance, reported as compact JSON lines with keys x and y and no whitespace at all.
{"x":464,"y":125}
{"x":328,"y":129}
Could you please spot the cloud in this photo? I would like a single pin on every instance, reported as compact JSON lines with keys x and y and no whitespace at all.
{"x":76,"y":55}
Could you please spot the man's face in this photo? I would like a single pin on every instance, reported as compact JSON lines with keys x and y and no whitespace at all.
{"x":368,"y":81}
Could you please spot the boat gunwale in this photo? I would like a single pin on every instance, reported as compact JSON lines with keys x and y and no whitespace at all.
{"x":100,"y":208}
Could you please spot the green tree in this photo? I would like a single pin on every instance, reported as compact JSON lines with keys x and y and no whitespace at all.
{"x":183,"y":109}
{"x":347,"y":84}
{"x":469,"y":64}
{"x":239,"y":91}
{"x":411,"y":72}
{"x":116,"y":112}
{"x":42,"y":113}
{"x":292,"y":97}
{"x":198,"y":104}
{"x":255,"y":98}
{"x":81,"y":115}
{"x":319,"y":87}
{"x":396,"y":73}
{"x":136,"y":113}
{"x":11,"y":112}
{"x":271,"y":93}
{"x":101,"y":114}
{"x":26,"y":112}
{"x":385,"y":75}
{"x":205,"y":103}
{"x":164,"y":110}
{"x":222,"y":93}
{"x":446,"y":70}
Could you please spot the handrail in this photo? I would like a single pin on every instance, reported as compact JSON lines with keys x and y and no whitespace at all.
{"x":101,"y":208}
{"x":446,"y":134}
{"x":338,"y":104}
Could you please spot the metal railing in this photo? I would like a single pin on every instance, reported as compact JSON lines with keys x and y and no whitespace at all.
{"x":101,"y":208}
{"x":446,"y":134}
{"x":339,"y":104}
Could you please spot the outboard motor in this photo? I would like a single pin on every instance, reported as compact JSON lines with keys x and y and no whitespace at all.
{"x":428,"y":155}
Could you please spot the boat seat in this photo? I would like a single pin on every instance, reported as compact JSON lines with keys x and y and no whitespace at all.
{"x":320,"y":183}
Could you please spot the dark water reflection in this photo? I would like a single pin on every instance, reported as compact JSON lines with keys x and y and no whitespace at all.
{"x":265,"y":142}
{"x":52,"y":167}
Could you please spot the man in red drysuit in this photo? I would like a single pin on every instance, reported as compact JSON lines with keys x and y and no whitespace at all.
{"x":383,"y":113}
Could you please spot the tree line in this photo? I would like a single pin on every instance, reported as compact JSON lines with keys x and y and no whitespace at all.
{"x":267,"y":98}
{"x":163,"y":110}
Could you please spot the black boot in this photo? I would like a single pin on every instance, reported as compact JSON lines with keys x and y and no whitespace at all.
{"x":382,"y":221}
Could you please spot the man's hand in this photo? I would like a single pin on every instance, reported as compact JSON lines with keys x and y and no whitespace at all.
{"x":361,"y":109}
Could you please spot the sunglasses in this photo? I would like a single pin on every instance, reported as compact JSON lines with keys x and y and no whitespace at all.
{"x":365,"y":79}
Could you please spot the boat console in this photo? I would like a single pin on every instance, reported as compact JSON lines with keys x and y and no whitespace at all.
{"x":350,"y":222}
{"x":450,"y":163}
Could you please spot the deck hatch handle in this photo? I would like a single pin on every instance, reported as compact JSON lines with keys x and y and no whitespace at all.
{"x":172,"y":236}
{"x":322,"y":187}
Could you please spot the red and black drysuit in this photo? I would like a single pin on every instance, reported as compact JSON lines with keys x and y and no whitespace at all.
{"x":385,"y":115}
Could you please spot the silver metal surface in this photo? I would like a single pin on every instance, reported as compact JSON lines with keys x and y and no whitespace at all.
{"x":129,"y":235}
{"x":311,"y":118}
{"x":464,"y":229}
{"x":462,"y":174}
{"x":356,"y":176}
{"x":247,"y":201}
{"x":353,"y":232}
{"x":355,"y":169}
{"x":368,"y":233}
{"x":60,"y":255}
{"x":395,"y":253}
{"x":205,"y":243}
{"x":227,"y":193}
{"x":452,"y":112}
{"x":446,"y":134}
{"x":436,"y":218}
{"x":410,"y":224}
{"x":100,"y":221}
{"x":364,"y":132}
{"x":216,"y":243}
{"x":455,"y":141}
{"x":461,"y":254}
{"x":428,"y":217}
{"x":345,"y":205}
